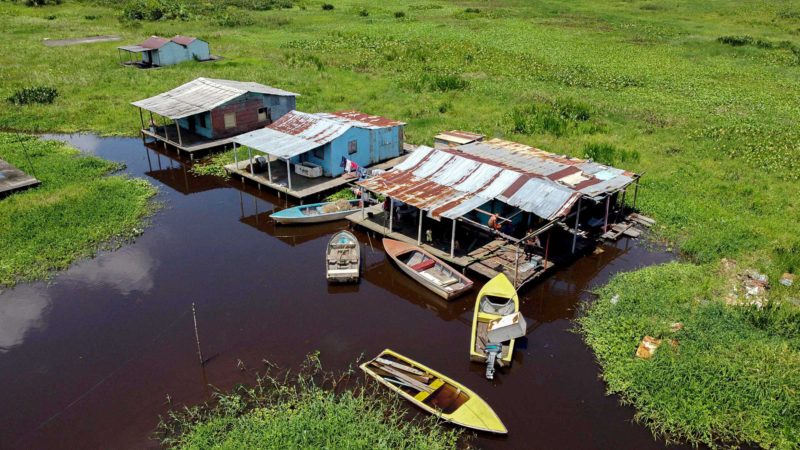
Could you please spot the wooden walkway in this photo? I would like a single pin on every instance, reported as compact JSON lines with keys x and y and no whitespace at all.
{"x":13,"y":179}
{"x":302,"y":187}
{"x":190,"y":142}
{"x":489,"y":260}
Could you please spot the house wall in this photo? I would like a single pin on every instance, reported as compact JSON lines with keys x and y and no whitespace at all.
{"x":206,"y":131}
{"x":199,"y":49}
{"x":169,"y":54}
{"x":278,"y":105}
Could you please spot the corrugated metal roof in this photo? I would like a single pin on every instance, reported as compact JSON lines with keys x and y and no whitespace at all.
{"x":452,"y":182}
{"x":134,"y":48}
{"x":201,"y":95}
{"x":183,"y":40}
{"x":362,"y":120}
{"x":459,"y":137}
{"x":154,"y":42}
{"x":294,"y":133}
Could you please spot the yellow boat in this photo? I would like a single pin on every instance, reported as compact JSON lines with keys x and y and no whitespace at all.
{"x":433,"y":392}
{"x":498,"y":298}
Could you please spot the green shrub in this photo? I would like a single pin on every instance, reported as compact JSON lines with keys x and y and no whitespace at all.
{"x":610,"y":155}
{"x":399,"y":14}
{"x":472,"y":10}
{"x":327,"y":6}
{"x":42,"y":2}
{"x":152,"y":10}
{"x":363,"y":12}
{"x":559,"y":118}
{"x":232,"y":17}
{"x":91,"y":17}
{"x":34,"y":94}
{"x":735,"y":41}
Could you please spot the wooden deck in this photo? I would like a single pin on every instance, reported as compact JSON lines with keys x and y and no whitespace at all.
{"x":302,"y":187}
{"x":13,"y":179}
{"x":489,"y":260}
{"x":189,"y":142}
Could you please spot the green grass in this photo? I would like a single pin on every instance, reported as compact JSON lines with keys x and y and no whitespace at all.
{"x":700,"y":96}
{"x":734,"y":376}
{"x":76,"y":211}
{"x":303,"y":411}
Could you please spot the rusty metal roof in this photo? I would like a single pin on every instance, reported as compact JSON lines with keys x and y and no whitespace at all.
{"x":459,"y":137}
{"x":201,"y":95}
{"x":293,"y":134}
{"x":452,"y":182}
{"x":362,"y":120}
{"x":154,"y":42}
{"x":183,"y":40}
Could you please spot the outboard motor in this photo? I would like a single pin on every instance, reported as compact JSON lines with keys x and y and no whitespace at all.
{"x":492,"y":352}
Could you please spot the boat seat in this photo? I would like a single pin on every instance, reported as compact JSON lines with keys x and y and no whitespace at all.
{"x":422,"y":395}
{"x":424,"y":265}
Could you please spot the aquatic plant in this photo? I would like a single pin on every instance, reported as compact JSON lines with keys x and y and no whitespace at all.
{"x":307,"y":409}
{"x":34,"y":94}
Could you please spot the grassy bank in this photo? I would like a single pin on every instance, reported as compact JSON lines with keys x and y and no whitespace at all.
{"x":733,"y":374}
{"x":701,"y":96}
{"x":77,"y":210}
{"x":302,"y":412}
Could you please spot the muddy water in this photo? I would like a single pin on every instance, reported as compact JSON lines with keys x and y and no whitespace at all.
{"x":91,"y":359}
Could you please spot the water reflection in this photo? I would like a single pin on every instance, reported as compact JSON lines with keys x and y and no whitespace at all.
{"x":127,"y":270}
{"x":21,"y":311}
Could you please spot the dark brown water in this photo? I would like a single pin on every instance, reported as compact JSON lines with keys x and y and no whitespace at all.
{"x":89,"y":359}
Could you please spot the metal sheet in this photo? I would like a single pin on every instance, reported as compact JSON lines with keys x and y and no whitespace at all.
{"x":202,"y":95}
{"x":362,"y":120}
{"x":293,"y":134}
{"x":544,"y":198}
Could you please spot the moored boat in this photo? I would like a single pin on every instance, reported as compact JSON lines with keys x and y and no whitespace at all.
{"x":343,"y":258}
{"x":433,"y":392}
{"x":317,"y":212}
{"x":427,"y":269}
{"x":496,"y":299}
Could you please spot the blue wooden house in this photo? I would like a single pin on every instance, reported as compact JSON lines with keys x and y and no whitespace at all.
{"x":323,"y":141}
{"x":157,"y":51}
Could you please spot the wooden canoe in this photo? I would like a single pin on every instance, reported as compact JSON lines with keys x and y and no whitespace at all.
{"x":498,"y":298}
{"x":316,"y":212}
{"x":427,"y":269}
{"x":343,"y":258}
{"x":433,"y":392}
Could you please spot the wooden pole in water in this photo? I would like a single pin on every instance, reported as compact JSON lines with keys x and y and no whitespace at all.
{"x":178,"y":127}
{"x":608,"y":205}
{"x":197,"y":335}
{"x":166,"y":132}
{"x":289,"y":173}
{"x":546,"y":249}
{"x":391,"y":213}
{"x":577,"y":219}
{"x":453,"y":240}
{"x":269,"y":168}
{"x":419,"y":232}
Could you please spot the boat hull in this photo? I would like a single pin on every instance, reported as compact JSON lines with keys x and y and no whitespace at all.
{"x":475,"y":413}
{"x":343,"y":258}
{"x":395,"y":251}
{"x":295,"y":215}
{"x":498,"y":286}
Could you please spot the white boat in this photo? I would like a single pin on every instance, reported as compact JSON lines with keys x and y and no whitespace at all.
{"x":343,"y":258}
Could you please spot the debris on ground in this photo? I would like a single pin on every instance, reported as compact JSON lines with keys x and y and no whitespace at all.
{"x":747,"y":288}
{"x":647,"y":348}
{"x":615,"y":299}
{"x":787,"y":279}
{"x":676,"y":326}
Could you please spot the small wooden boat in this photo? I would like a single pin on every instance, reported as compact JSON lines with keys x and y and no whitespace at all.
{"x":317,"y":212}
{"x":498,"y":298}
{"x":433,"y":392}
{"x":343,"y":258}
{"x":427,"y":269}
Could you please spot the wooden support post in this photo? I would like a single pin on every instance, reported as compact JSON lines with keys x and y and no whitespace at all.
{"x":250,"y":159}
{"x":635,"y":193}
{"x":516,"y":265}
{"x":141,"y":117}
{"x":197,"y":335}
{"x":546,"y":249}
{"x":289,"y":173}
{"x":166,"y":133}
{"x":453,"y":240}
{"x":178,"y":127}
{"x":363,"y":203}
{"x":391,"y":213}
{"x":419,"y":232}
{"x":577,"y":219}
{"x":608,"y":205}
{"x":235,"y":156}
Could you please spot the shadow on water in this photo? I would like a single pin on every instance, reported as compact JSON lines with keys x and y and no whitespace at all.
{"x":92,"y":358}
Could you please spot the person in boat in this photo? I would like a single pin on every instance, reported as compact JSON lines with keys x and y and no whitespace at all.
{"x":531,"y":244}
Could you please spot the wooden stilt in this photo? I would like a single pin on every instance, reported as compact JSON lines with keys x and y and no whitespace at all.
{"x":635,"y":193}
{"x":547,"y":249}
{"x":269,"y":168}
{"x":391,"y":214}
{"x":419,"y":232}
{"x":249,"y":158}
{"x":289,"y":173}
{"x":577,"y":219}
{"x":453,"y":240}
{"x":608,"y":205}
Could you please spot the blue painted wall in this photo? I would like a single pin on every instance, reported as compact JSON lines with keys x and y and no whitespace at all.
{"x":169,"y":54}
{"x":199,"y":49}
{"x":372,"y":146}
{"x":206,"y":131}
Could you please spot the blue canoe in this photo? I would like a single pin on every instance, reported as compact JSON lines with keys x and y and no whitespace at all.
{"x":317,"y":212}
